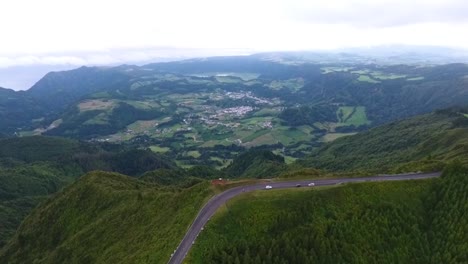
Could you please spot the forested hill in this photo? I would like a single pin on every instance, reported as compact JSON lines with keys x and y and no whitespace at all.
{"x":60,"y":89}
{"x":382,"y":222}
{"x":31,"y":168}
{"x":386,"y":222}
{"x":424,"y":142}
{"x":107,"y":218}
{"x":17,"y":109}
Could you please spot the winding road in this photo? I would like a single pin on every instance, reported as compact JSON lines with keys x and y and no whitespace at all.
{"x":217,"y":201}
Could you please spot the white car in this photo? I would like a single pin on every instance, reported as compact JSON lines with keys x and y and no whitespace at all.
{"x":311,"y":184}
{"x":268,"y":187}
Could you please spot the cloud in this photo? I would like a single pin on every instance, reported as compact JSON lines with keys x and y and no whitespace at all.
{"x":99,"y":32}
{"x":378,"y":13}
{"x":115,"y":56}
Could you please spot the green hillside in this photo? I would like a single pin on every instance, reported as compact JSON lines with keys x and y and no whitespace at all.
{"x":424,"y":142}
{"x":31,"y":168}
{"x":256,"y":164}
{"x":107,"y":218}
{"x":391,"y":222}
{"x":18,"y":109}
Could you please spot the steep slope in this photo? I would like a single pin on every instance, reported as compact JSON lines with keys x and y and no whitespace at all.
{"x":359,"y":223}
{"x":18,"y":110}
{"x":391,"y":222}
{"x":107,"y":218}
{"x":31,"y":168}
{"x":59,"y":89}
{"x":420,"y":143}
{"x":447,"y":215}
{"x":256,"y":164}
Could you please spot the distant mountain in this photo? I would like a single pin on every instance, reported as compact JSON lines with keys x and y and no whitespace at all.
{"x":59,"y":89}
{"x":18,"y":110}
{"x":407,"y":54}
{"x":23,"y":77}
{"x":383,"y":55}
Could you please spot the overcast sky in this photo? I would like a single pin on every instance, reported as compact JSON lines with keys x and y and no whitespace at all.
{"x":81,"y":32}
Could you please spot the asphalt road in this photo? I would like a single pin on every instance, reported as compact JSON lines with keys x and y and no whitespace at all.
{"x":214,"y":203}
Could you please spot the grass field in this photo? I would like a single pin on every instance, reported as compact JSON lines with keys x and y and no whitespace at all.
{"x":101,"y":119}
{"x":144,"y":104}
{"x":194,"y":153}
{"x":352,"y":115}
{"x":96,"y":104}
{"x":159,"y":149}
{"x":333,"y":136}
{"x":387,"y":76}
{"x":291,"y":84}
{"x":346,"y":112}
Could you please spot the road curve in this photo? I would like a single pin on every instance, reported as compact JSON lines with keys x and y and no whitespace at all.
{"x":218,"y":200}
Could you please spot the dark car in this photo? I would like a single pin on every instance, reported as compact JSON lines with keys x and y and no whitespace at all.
{"x":298,"y":185}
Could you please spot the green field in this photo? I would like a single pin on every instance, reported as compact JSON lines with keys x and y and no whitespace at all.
{"x":194,"y":153}
{"x":352,"y":115}
{"x":387,"y":76}
{"x":334,"y":136}
{"x":159,"y":149}
{"x":101,"y":119}
{"x":293,"y":85}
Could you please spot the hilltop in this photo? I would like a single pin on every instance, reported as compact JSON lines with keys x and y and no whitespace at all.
{"x":107,"y":217}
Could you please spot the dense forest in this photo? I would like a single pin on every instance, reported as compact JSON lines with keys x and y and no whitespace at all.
{"x":32,"y":168}
{"x":393,"y":222}
{"x":107,"y":218}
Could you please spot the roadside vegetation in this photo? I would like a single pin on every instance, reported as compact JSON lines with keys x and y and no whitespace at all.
{"x":388,"y":222}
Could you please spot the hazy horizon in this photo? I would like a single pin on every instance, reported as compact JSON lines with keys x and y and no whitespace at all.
{"x":70,"y":34}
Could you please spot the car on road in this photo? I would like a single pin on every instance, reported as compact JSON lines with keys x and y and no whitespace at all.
{"x":268,"y":187}
{"x":298,"y":185}
{"x":311,"y":184}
